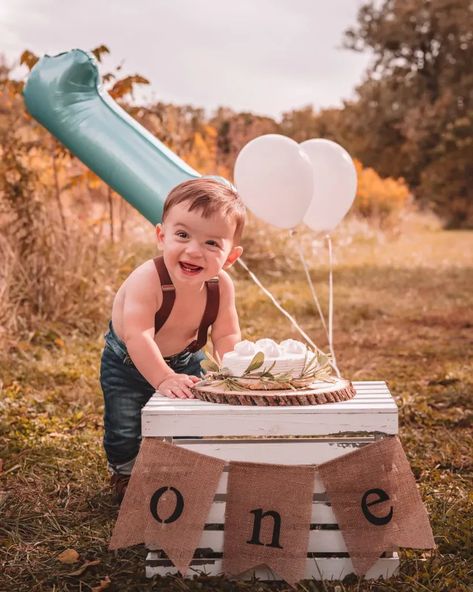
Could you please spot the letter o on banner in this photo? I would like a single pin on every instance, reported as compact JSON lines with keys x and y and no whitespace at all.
{"x":154,"y":501}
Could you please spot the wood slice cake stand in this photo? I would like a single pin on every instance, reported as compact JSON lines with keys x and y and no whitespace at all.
{"x":316,"y":394}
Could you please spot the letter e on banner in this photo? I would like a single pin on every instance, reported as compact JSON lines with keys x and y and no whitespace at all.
{"x":365,"y":504}
{"x":375,"y":500}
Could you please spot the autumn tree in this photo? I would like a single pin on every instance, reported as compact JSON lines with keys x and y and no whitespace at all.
{"x":306,"y":123}
{"x":234,"y":130}
{"x":414,"y":113}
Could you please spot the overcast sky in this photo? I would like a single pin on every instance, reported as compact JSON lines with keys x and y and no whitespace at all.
{"x":265,"y":56}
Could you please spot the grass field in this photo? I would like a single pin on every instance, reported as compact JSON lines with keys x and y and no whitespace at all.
{"x":403,"y":314}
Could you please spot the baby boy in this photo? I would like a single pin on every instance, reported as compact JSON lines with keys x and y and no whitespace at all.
{"x":163,"y":310}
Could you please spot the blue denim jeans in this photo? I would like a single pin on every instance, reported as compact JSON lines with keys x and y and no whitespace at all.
{"x":125,"y":393}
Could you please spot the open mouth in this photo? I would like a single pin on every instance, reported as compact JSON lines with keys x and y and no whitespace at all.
{"x":189,"y":268}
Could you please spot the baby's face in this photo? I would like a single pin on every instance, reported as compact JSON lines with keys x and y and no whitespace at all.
{"x":196,"y":248}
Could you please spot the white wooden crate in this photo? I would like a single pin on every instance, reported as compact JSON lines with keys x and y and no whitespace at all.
{"x":284,"y":435}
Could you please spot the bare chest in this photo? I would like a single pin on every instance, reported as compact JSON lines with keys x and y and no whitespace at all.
{"x":182,"y":324}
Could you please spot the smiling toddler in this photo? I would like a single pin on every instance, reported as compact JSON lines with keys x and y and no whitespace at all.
{"x":163,"y":310}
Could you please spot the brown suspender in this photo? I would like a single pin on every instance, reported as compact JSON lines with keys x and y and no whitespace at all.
{"x":169,"y":296}
{"x":210,"y":314}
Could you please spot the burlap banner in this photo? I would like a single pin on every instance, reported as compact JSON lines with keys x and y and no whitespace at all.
{"x":376,"y":502}
{"x":267,"y":518}
{"x":174,"y":489}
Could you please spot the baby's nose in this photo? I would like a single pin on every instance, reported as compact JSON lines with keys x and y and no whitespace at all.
{"x":193,"y":249}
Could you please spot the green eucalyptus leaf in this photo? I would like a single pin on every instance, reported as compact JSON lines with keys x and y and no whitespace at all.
{"x":256,"y":362}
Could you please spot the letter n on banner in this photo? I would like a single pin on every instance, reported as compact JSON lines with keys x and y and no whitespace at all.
{"x":376,"y":502}
{"x":177,"y":488}
{"x":267,"y":518}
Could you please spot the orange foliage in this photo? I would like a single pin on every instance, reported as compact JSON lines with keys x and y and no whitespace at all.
{"x":203,"y":154}
{"x":377,"y":197}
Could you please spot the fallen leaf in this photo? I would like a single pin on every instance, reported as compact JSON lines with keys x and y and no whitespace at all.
{"x":105,"y":583}
{"x":82,"y":568}
{"x":1,"y":466}
{"x":68,"y":556}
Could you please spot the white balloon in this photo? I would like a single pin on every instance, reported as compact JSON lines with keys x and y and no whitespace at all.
{"x":275,"y":180}
{"x":335,"y":183}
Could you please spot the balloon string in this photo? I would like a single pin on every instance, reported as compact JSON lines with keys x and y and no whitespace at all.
{"x":280,"y":308}
{"x":330,"y":304}
{"x":311,"y":284}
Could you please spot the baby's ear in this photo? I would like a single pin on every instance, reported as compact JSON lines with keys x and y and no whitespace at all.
{"x":232,"y":257}
{"x":160,"y":235}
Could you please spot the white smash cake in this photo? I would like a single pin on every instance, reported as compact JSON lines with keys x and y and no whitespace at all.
{"x":287,"y":357}
{"x":270,"y":373}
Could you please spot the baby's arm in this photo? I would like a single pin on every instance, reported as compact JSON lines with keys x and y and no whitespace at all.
{"x":138,"y":334}
{"x":225,"y":331}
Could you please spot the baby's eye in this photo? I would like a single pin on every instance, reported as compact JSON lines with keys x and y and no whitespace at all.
{"x":212,"y":243}
{"x":182,"y":234}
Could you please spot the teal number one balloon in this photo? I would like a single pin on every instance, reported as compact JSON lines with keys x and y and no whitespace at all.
{"x":65,"y":94}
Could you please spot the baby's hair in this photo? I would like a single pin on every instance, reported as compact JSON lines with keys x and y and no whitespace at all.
{"x":209,"y":196}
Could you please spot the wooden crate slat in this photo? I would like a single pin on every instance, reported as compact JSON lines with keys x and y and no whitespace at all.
{"x":366,"y":391}
{"x":201,"y":407}
{"x":316,"y":568}
{"x":350,"y":406}
{"x":191,"y":404}
{"x":368,"y":382}
{"x":265,"y":451}
{"x":295,"y":423}
{"x":345,"y":440}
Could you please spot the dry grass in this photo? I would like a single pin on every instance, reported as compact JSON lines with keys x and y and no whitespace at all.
{"x":403,"y":314}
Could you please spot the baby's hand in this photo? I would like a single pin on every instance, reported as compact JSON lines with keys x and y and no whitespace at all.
{"x":177,"y":386}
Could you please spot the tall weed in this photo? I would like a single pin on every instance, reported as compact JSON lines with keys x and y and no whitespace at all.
{"x":49,"y":276}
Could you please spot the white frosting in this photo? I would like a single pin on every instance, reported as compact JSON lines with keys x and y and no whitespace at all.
{"x":288,"y":356}
{"x":291,"y":346}
{"x":245,"y":348}
{"x":269,"y":347}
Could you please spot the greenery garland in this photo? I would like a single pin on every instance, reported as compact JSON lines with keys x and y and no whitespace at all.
{"x":259,"y":377}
